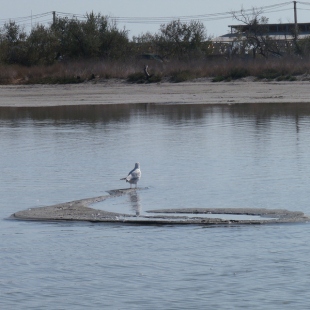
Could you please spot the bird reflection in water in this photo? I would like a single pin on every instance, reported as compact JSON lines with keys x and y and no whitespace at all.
{"x":135,"y":202}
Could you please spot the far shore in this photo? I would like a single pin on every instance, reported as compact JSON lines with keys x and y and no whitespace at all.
{"x":201,"y":91}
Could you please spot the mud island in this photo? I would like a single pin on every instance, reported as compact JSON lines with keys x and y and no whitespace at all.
{"x":82,"y":210}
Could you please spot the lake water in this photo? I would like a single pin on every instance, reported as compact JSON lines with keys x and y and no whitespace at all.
{"x":254,"y":156}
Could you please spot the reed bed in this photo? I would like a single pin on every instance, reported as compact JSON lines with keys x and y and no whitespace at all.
{"x":220,"y":69}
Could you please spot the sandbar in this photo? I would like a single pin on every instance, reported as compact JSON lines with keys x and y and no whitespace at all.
{"x":201,"y":91}
{"x":84,"y":211}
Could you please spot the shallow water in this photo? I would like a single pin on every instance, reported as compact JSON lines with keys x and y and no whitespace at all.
{"x":190,"y":156}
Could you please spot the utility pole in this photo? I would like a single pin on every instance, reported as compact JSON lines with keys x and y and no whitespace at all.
{"x":295,"y":20}
{"x":54,"y":17}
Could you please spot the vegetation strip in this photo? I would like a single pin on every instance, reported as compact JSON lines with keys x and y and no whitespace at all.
{"x":72,"y":51}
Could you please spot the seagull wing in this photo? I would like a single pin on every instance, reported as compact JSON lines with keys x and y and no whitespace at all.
{"x":133,"y":174}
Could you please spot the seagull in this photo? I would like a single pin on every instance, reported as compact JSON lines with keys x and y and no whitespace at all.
{"x":134,"y":175}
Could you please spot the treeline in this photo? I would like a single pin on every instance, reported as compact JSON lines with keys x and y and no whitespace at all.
{"x":95,"y":49}
{"x":98,"y":37}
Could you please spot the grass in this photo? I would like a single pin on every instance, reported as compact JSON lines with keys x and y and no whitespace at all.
{"x":173,"y":71}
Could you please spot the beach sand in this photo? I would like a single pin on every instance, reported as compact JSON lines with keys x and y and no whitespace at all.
{"x":120,"y":92}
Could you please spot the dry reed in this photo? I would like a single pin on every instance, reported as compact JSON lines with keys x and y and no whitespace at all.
{"x":174,"y":71}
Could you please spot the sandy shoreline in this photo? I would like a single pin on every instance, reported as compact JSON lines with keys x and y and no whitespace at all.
{"x":119,"y":92}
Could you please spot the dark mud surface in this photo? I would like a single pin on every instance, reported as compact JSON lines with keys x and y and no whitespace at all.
{"x":82,"y":210}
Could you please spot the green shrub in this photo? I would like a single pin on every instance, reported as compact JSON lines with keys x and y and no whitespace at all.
{"x":140,"y":78}
{"x":234,"y":74}
{"x":238,"y":73}
{"x":156,"y":78}
{"x":56,"y":80}
{"x":182,"y":76}
{"x":137,"y":77}
{"x":270,"y":74}
{"x":219,"y":78}
{"x":286,"y":78}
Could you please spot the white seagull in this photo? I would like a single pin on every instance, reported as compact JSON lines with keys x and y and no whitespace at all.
{"x":134,"y":175}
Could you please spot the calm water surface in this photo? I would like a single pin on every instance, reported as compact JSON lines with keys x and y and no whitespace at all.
{"x":190,"y":156}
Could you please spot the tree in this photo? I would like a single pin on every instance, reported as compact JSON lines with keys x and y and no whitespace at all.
{"x":114,"y":43}
{"x":70,"y":37}
{"x":41,"y":46}
{"x":145,"y":43}
{"x":255,"y":31}
{"x":181,"y":40}
{"x":13,"y":44}
{"x":95,"y":37}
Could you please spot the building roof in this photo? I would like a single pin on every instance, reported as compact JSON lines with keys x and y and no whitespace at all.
{"x":274,"y":31}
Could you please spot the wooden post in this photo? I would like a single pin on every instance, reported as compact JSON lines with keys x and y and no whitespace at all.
{"x":295,"y":20}
{"x":54,"y":17}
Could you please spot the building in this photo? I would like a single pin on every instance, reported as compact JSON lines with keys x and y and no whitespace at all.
{"x":282,"y":34}
{"x":274,"y":31}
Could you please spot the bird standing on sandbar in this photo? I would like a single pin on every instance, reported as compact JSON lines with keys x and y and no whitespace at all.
{"x":134,"y":175}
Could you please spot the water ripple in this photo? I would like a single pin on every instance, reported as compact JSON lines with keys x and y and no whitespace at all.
{"x":191,"y":156}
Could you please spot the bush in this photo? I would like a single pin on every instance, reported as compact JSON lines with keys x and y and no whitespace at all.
{"x":219,"y":78}
{"x":137,"y":77}
{"x":56,"y":80}
{"x":234,"y":74}
{"x":286,"y":78}
{"x":140,"y":78}
{"x":269,"y":74}
{"x":156,"y":78}
{"x":238,"y":73}
{"x":182,"y":76}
